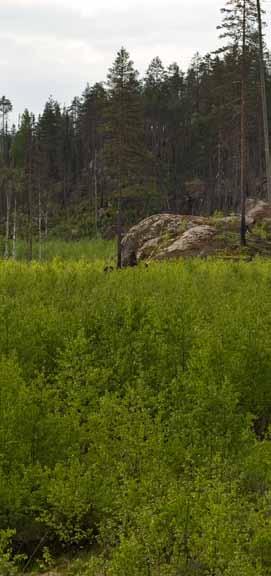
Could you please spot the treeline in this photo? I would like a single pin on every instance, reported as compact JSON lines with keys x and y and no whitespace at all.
{"x":167,"y":142}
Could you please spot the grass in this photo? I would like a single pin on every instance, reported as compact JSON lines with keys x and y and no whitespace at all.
{"x":91,"y":250}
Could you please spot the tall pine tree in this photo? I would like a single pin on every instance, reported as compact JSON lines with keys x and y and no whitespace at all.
{"x":124,"y":132}
{"x":239,"y":28}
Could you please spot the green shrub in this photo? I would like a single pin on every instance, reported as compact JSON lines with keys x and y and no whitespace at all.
{"x":135,"y":412}
{"x":9,"y":564}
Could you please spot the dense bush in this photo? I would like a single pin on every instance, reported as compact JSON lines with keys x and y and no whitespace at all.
{"x":134,"y":416}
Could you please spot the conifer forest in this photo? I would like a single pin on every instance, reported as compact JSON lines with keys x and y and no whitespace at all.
{"x":135,"y":401}
{"x":169,"y":141}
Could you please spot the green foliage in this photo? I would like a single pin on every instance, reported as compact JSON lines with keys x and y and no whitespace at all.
{"x":135,"y":417}
{"x":261,"y":230}
{"x":47,"y":560}
{"x":8,"y":562}
{"x":124,"y":128}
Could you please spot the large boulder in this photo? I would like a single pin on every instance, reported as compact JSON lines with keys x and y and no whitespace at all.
{"x":147,"y":230}
{"x":195,"y":241}
{"x":164,"y":236}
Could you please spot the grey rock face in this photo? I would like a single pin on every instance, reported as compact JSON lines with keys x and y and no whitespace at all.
{"x":192,"y":240}
{"x":164,"y":236}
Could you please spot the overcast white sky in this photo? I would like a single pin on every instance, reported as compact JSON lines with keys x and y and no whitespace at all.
{"x":57,"y":46}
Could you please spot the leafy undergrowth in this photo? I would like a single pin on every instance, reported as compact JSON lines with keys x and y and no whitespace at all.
{"x":226,"y":244}
{"x":134,"y":419}
{"x":258,"y":239}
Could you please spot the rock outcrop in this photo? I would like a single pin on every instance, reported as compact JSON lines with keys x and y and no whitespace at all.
{"x":166,"y":236}
{"x":257,"y":210}
{"x":193,"y":241}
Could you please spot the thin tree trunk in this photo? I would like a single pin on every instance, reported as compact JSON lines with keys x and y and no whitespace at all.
{"x":219,"y":171}
{"x":95,"y":193}
{"x":46,"y":223}
{"x":90,"y":195}
{"x":3,"y":136}
{"x":119,"y":234}
{"x":6,"y":253}
{"x":64,"y":189}
{"x":30,"y":236}
{"x":264,"y":103}
{"x":14,"y":235}
{"x":40,"y":223}
{"x":243,"y":175}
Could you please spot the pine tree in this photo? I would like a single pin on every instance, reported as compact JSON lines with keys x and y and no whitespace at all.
{"x":175,"y":89}
{"x":124,"y":131}
{"x":264,"y":102}
{"x":91,"y":137}
{"x":162,"y":96}
{"x":239,"y":25}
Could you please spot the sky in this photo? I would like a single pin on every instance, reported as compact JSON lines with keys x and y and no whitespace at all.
{"x":54,"y":47}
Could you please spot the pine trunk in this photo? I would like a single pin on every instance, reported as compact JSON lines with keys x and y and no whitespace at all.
{"x":95,"y":194}
{"x":30,"y":236}
{"x":243,"y":167}
{"x":264,"y":103}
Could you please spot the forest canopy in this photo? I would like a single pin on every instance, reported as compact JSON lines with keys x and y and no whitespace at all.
{"x":172,"y":138}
